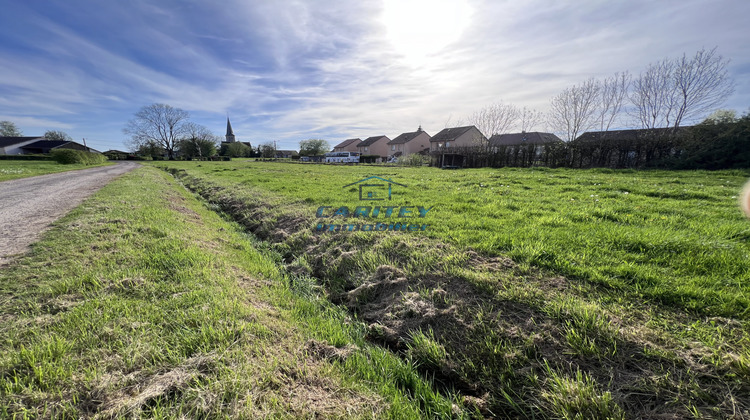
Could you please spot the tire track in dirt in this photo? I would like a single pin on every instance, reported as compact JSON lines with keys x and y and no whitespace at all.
{"x":29,"y":205}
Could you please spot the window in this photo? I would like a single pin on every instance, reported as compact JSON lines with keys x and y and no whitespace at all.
{"x":393,"y":147}
{"x":447,"y":144}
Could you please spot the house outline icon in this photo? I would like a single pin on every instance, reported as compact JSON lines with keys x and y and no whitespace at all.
{"x":370,"y":195}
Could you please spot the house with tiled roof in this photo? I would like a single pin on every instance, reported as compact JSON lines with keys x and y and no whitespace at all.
{"x":457,"y":137}
{"x":407,"y":143}
{"x":349,"y":145}
{"x":374,"y":146}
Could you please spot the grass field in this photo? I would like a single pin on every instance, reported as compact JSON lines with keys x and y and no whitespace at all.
{"x":14,"y":169}
{"x":535,"y":293}
{"x":143,"y":303}
{"x":532,"y":288}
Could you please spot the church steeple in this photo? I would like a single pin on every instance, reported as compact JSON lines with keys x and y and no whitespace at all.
{"x":230,"y":132}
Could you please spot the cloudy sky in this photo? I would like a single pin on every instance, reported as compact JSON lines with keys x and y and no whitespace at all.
{"x":290,"y":70}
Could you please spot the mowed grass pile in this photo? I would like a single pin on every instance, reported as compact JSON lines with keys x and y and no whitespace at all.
{"x":14,"y":169}
{"x":535,"y":292}
{"x":142,"y":302}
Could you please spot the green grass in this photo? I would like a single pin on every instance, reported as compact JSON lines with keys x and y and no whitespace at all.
{"x":14,"y":169}
{"x":674,"y":237}
{"x":629,"y":286}
{"x":144,"y":303}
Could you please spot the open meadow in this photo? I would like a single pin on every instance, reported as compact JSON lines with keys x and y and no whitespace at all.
{"x":532,"y":293}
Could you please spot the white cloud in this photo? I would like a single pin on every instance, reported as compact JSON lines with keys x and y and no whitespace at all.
{"x":290,"y":70}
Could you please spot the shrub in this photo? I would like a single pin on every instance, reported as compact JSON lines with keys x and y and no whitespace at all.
{"x":413,"y":159}
{"x":70,"y":156}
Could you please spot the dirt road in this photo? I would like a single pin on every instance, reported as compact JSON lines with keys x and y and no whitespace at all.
{"x":29,"y":205}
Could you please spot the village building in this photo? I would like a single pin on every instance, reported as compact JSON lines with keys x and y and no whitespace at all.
{"x":374,"y":149}
{"x":456,"y":137}
{"x":407,"y":143}
{"x":349,"y":145}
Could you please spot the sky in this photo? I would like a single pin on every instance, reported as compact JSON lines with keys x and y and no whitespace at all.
{"x":286,"y":71}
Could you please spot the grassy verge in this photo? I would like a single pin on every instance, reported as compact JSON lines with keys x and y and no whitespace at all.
{"x":14,"y":169}
{"x":579,"y":321}
{"x":142,"y":302}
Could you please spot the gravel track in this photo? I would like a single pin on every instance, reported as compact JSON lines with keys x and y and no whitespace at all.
{"x":29,"y":205}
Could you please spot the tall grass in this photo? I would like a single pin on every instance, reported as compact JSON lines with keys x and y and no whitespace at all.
{"x":612,"y":274}
{"x":144,"y":303}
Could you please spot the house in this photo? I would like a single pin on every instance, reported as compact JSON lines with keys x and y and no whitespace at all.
{"x":522,"y":138}
{"x":47,"y":146}
{"x":407,"y":143}
{"x":286,"y":154}
{"x":36,"y":145}
{"x":374,"y":146}
{"x":457,"y":137}
{"x":525,"y":149}
{"x":625,"y":148}
{"x":349,"y":145}
{"x":530,"y":140}
{"x":12,"y":145}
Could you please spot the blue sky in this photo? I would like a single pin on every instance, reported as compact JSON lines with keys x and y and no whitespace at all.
{"x":293,"y":70}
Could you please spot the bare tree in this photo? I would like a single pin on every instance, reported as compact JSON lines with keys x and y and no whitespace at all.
{"x":612,"y":93}
{"x":702,"y":84}
{"x":672,"y":91}
{"x":653,"y":97}
{"x":528,"y":118}
{"x":495,"y":119}
{"x":573,"y":110}
{"x":159,"y":124}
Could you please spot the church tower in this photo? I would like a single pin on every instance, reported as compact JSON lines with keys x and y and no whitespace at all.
{"x":230,"y":132}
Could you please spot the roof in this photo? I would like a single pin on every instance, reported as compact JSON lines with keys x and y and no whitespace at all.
{"x":294,"y":152}
{"x":46,"y":144}
{"x":230,"y":132}
{"x":10,"y":141}
{"x":371,"y":140}
{"x":346,"y":143}
{"x":533,"y":137}
{"x":407,"y":137}
{"x":451,"y":134}
{"x":625,"y":135}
